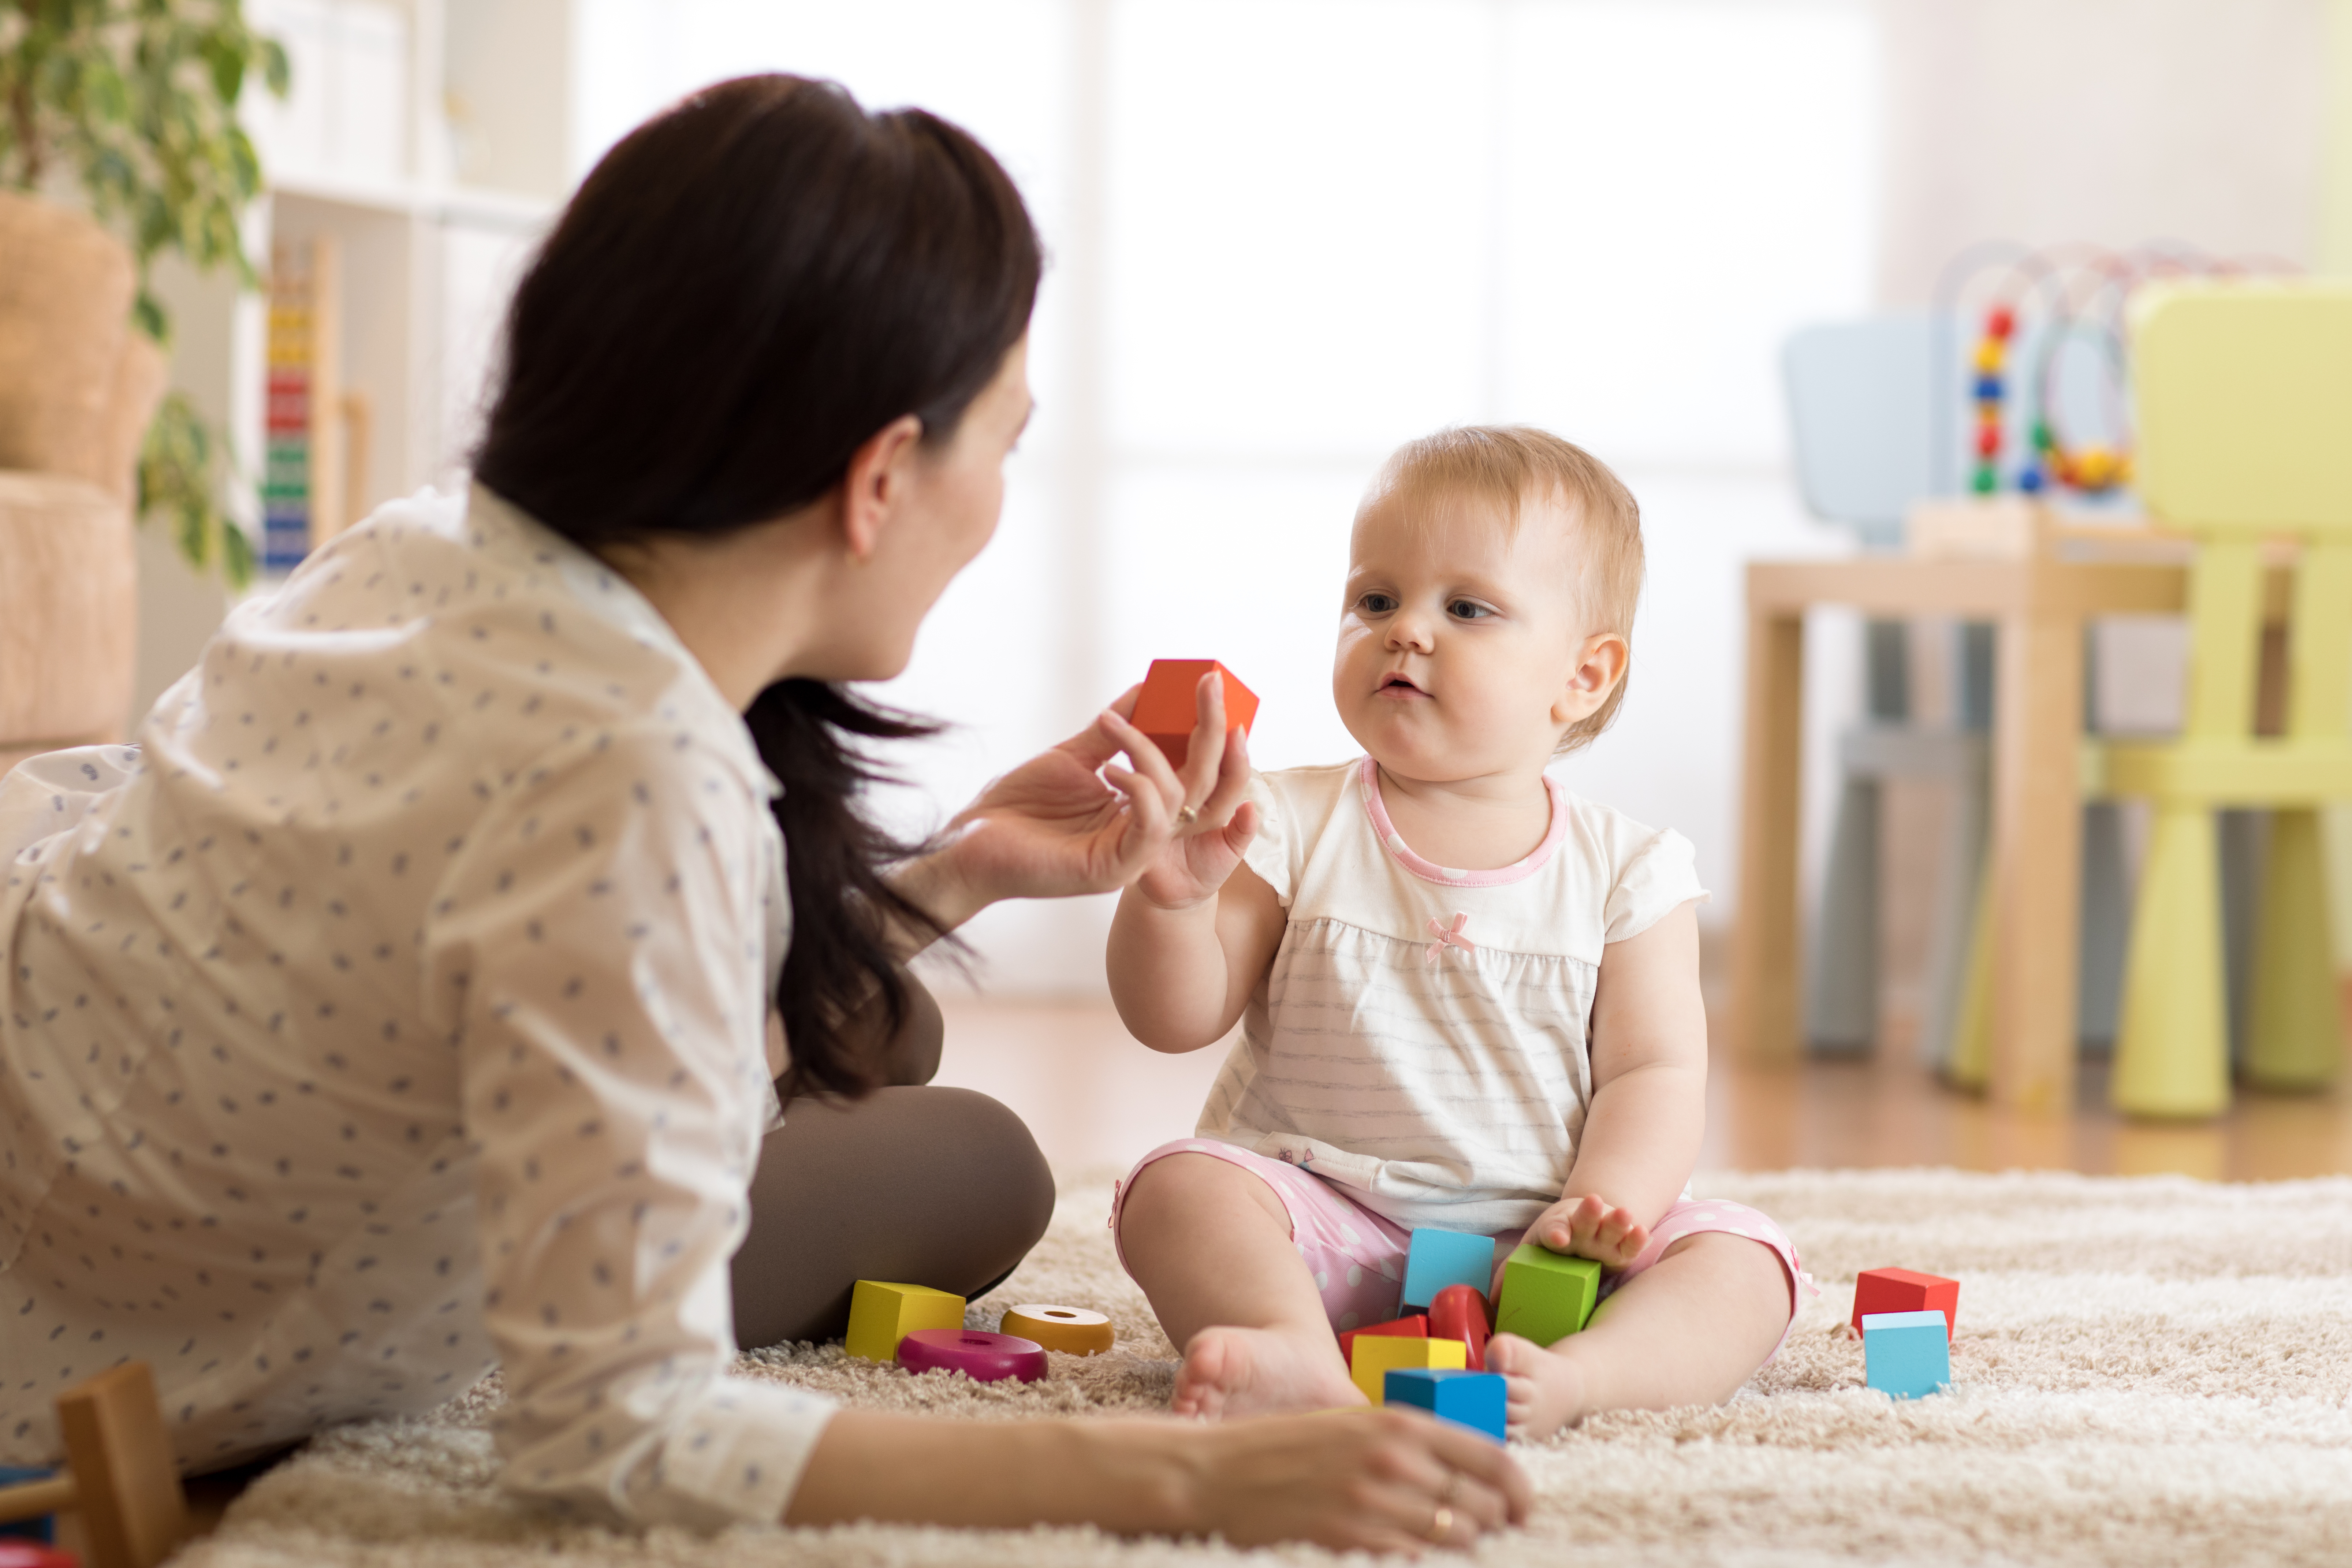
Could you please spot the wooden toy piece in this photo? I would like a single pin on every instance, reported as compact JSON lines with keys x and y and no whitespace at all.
{"x":1442,"y":1257}
{"x":1376,"y":1357}
{"x":881,"y":1314}
{"x":1907,"y":1354}
{"x":980,"y":1356}
{"x":1901,"y":1290}
{"x":1546,"y":1295}
{"x":16,"y":1553}
{"x":1166,"y":709}
{"x":1460,"y":1314}
{"x":1477,"y":1400}
{"x":1073,"y":1329}
{"x":120,"y":1475}
{"x":1415,"y":1327}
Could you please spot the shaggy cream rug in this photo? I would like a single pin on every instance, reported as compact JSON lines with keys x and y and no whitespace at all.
{"x":2147,"y":1372}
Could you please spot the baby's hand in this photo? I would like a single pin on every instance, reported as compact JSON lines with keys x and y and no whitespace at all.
{"x":1212,"y":785}
{"x":1591,"y":1227}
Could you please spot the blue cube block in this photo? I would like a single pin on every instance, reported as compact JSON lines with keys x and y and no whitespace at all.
{"x":1908,"y":1354}
{"x":1442,"y":1257}
{"x":1472,"y":1399}
{"x":42,"y":1528}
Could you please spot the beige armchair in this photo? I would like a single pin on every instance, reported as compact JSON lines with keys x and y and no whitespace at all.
{"x":77,"y":386}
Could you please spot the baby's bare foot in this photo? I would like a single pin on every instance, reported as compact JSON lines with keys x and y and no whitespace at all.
{"x":1258,"y":1371}
{"x":1546,"y":1391}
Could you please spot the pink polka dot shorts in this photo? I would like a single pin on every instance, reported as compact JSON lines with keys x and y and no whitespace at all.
{"x":1358,"y":1257}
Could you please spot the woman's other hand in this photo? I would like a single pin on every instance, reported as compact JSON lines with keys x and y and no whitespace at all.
{"x":1071,"y":820}
{"x":1375,"y":1480}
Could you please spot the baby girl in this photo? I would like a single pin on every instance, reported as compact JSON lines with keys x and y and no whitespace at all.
{"x":1470,"y":999}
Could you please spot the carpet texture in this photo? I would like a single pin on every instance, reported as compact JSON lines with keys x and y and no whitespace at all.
{"x":2147,"y":1371}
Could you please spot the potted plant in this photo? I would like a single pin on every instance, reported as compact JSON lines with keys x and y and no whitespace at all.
{"x":131,"y":106}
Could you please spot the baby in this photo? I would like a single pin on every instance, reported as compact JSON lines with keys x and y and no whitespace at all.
{"x":1470,"y":999}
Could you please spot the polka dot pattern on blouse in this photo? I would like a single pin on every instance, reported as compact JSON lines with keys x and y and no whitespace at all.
{"x":395,"y":1007}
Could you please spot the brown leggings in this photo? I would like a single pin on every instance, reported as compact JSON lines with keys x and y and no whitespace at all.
{"x":925,"y":1186}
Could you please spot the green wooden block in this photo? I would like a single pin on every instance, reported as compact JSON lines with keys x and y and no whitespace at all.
{"x":1546,"y":1297}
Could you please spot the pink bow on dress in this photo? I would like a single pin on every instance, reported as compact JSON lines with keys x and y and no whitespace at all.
{"x":1447,"y":937}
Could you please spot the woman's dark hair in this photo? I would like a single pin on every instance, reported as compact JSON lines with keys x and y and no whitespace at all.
{"x":743,"y":291}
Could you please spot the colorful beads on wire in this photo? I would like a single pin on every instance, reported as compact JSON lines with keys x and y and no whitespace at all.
{"x":1991,"y":357}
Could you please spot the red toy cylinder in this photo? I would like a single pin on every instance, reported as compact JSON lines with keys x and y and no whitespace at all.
{"x":981,"y":1356}
{"x":1459,"y":1312}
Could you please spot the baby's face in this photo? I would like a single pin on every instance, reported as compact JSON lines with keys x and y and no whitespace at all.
{"x":1460,"y":651}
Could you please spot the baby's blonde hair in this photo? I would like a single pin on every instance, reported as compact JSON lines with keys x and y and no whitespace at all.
{"x":1510,"y":464}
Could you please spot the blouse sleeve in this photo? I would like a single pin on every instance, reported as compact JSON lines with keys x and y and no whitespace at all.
{"x":599,"y":948}
{"x":1660,"y":875}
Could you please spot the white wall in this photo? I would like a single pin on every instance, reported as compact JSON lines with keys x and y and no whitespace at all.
{"x":1287,"y":235}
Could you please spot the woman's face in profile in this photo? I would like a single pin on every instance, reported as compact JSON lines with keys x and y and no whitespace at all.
{"x":955,"y":497}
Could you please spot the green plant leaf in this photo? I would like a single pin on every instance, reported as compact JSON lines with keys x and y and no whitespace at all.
{"x":147,"y":311}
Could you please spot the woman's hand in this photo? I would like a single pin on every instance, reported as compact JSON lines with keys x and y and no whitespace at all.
{"x":1071,"y":821}
{"x":1590,"y":1227}
{"x":1377,"y":1480}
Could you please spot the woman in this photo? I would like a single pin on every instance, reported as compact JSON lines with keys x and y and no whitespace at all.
{"x":400,"y":1003}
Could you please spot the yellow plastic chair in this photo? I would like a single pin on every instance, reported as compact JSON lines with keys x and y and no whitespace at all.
{"x":2243,"y":397}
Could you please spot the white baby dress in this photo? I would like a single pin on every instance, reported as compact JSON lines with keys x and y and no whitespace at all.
{"x":1421,"y":1040}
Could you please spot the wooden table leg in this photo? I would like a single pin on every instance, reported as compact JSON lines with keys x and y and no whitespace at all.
{"x":1766,"y":948}
{"x":2037,"y":860}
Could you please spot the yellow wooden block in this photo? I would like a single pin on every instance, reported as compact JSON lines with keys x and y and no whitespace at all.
{"x":1073,"y":1329}
{"x":881,"y":1314}
{"x":1377,"y":1355}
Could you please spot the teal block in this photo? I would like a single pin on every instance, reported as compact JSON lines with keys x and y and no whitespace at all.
{"x":1472,"y":1399}
{"x":1907,"y":1354}
{"x":1442,"y":1257}
{"x":1546,"y":1295}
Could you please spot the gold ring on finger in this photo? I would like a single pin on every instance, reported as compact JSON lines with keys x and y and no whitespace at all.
{"x":1186,"y":816}
{"x":1442,"y":1525}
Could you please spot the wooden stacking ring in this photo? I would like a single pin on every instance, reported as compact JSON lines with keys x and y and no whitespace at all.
{"x":980,"y":1356}
{"x":1071,"y":1329}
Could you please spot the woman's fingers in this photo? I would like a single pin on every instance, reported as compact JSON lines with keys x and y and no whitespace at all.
{"x":1146,"y":757}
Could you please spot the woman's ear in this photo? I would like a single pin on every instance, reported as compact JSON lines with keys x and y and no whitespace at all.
{"x":879,"y":472}
{"x":1600,"y":666}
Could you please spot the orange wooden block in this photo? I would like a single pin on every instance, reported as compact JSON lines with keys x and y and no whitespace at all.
{"x":1165,"y":710}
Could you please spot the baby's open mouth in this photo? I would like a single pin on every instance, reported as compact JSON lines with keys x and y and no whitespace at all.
{"x":1400,"y":683}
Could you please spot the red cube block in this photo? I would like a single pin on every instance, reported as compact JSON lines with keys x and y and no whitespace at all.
{"x":1901,"y":1290}
{"x":1165,"y":709}
{"x":1415,"y":1327}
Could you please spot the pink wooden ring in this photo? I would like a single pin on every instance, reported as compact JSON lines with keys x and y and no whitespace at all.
{"x":983,"y":1357}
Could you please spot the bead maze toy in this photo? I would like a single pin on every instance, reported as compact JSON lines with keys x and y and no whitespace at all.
{"x":1437,"y":1259}
{"x":1545,"y":1295}
{"x":1376,"y":1357}
{"x":1165,"y":710}
{"x":120,"y":1475}
{"x":1460,"y":1314}
{"x":2048,"y":360}
{"x":882,"y":1313}
{"x":1907,"y":1354}
{"x":1901,"y":1291}
{"x":980,"y":1356}
{"x":1071,"y":1330}
{"x":1478,"y":1400}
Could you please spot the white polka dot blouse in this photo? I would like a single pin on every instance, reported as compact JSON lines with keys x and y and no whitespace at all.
{"x":393,"y":1008}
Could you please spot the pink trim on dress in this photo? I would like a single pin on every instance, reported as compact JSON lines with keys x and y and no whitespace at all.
{"x":1428,"y":871}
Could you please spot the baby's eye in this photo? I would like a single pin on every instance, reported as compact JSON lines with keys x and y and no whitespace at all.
{"x":1376,"y":603}
{"x":1467,"y":610}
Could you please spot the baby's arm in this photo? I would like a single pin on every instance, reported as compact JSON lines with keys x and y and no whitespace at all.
{"x":1649,"y":1098}
{"x":1182,"y":972}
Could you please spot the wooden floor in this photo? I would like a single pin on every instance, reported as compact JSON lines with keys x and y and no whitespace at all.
{"x":1093,"y":1097}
